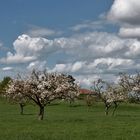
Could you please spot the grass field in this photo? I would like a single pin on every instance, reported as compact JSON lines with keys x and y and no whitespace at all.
{"x":63,"y":122}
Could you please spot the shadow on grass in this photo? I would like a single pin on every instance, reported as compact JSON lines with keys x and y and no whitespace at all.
{"x":67,"y":120}
{"x":53,"y":104}
{"x":78,"y":105}
{"x":27,"y":114}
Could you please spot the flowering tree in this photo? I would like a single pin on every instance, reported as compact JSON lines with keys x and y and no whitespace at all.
{"x":14,"y":93}
{"x":43,"y":88}
{"x":110,"y":94}
{"x":131,"y":83}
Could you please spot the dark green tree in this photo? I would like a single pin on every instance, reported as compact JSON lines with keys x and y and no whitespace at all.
{"x":4,"y":84}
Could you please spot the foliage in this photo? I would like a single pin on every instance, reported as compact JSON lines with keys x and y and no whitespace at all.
{"x":43,"y":88}
{"x":110,"y":94}
{"x":4,"y":84}
{"x":131,"y":84}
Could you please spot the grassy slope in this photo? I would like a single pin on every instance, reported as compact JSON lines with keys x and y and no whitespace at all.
{"x":63,"y":122}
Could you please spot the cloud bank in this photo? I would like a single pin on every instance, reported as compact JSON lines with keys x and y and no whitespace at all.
{"x":89,"y":55}
{"x":86,"y":53}
{"x":126,"y":13}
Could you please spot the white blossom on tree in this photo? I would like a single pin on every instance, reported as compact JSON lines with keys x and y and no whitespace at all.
{"x":131,"y":83}
{"x":14,"y":93}
{"x":42,"y":88}
{"x":110,"y":94}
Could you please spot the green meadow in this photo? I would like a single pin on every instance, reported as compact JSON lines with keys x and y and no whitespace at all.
{"x":65,"y":122}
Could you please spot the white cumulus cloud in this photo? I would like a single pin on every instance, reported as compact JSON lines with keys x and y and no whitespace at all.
{"x":36,"y":31}
{"x":130,"y":32}
{"x":127,"y":11}
{"x":38,"y":65}
{"x":7,"y":68}
{"x":88,"y":54}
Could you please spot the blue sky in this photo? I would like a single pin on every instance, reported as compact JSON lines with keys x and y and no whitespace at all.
{"x":89,"y":39}
{"x":18,"y":15}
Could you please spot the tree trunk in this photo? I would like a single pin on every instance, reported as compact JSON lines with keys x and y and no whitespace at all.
{"x":106,"y":110}
{"x":21,"y":108}
{"x":115,"y":107}
{"x":107,"y":106}
{"x":41,"y":113}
